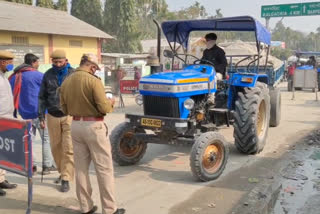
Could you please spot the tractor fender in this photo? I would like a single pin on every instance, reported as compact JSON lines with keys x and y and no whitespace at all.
{"x":248,"y":80}
{"x":242,"y":80}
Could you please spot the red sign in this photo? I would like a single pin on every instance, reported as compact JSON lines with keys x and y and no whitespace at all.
{"x":129,"y":86}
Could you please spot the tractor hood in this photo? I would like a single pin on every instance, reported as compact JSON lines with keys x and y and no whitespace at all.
{"x":193,"y":80}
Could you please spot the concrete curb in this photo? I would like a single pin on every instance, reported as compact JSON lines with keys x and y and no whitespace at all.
{"x":261,"y":199}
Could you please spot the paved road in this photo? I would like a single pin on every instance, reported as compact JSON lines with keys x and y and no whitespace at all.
{"x":162,"y":182}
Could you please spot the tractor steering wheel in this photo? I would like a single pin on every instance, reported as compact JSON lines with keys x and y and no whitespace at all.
{"x":203,"y":60}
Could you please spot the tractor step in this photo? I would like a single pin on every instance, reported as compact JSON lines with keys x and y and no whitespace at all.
{"x":221,"y":111}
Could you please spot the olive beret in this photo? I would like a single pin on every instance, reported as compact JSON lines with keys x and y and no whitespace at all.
{"x":6,"y":55}
{"x":58,"y":54}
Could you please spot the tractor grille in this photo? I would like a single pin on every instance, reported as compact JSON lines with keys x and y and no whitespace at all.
{"x":161,"y":106}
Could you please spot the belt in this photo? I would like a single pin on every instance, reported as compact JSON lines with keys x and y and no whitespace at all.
{"x":88,"y":118}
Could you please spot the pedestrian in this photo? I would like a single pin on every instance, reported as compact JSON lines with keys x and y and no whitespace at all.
{"x":25,"y":83}
{"x":59,"y":124}
{"x":6,"y":106}
{"x":312,"y":61}
{"x":82,"y":96}
{"x":120,"y":74}
{"x":137,"y":73}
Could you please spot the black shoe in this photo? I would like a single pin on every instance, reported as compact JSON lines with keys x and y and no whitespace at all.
{"x":58,"y":180}
{"x":7,"y":185}
{"x":47,"y":170}
{"x":52,"y":169}
{"x":93,"y":210}
{"x":120,"y":211}
{"x":34,"y":170}
{"x":65,"y":186}
{"x":2,"y":192}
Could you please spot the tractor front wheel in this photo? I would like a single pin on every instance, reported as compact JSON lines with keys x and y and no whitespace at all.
{"x":126,"y":150}
{"x":209,"y":156}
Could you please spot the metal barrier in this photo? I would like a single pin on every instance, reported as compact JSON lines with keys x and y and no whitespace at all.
{"x":16,"y":150}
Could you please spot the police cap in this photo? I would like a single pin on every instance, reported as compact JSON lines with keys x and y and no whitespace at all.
{"x":6,"y":55}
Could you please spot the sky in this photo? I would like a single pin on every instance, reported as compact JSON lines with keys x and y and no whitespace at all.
{"x":252,"y":8}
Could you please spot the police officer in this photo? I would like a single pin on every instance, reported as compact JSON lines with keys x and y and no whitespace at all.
{"x":214,"y":54}
{"x":82,"y":96}
{"x":6,"y":106}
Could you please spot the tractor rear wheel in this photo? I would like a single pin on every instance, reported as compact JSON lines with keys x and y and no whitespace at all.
{"x":275,"y":101}
{"x":252,"y":118}
{"x":209,"y":156}
{"x":126,"y":150}
{"x":318,"y":80}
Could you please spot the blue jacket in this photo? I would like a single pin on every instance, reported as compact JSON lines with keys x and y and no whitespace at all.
{"x":30,"y":87}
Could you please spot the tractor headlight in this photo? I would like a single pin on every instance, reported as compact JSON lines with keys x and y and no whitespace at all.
{"x":139,"y":99}
{"x":188,"y":104}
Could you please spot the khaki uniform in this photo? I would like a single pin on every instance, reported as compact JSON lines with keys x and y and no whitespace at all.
{"x":82,"y":95}
{"x":6,"y":107}
{"x":59,"y":129}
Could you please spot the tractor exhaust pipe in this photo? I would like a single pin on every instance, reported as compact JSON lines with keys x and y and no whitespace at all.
{"x":154,"y":61}
{"x":159,"y":38}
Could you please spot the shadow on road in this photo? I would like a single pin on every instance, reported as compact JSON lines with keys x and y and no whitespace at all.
{"x":13,"y":206}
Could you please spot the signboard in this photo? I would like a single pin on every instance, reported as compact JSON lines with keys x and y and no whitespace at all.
{"x":278,"y":44}
{"x":129,"y":86}
{"x":296,"y":9}
{"x":130,"y":70}
{"x":16,"y":150}
{"x":20,"y":51}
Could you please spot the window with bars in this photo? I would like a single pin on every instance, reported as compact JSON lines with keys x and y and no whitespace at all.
{"x":20,"y":40}
{"x":75,"y":43}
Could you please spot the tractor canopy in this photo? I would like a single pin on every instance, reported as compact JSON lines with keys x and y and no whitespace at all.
{"x":179,"y":31}
{"x":307,"y":53}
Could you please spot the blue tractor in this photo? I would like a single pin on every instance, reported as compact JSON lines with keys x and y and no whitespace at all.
{"x":189,"y":106}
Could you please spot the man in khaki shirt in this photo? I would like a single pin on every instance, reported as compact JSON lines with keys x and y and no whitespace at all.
{"x":82,"y":96}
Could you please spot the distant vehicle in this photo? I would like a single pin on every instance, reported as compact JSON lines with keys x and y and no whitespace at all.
{"x":301,"y":63}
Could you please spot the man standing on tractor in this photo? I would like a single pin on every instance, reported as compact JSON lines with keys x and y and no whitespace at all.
{"x":214,"y":54}
{"x":312,"y":61}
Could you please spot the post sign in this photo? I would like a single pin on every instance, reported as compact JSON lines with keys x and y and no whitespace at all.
{"x":16,"y":150}
{"x":296,"y":9}
{"x":129,"y":86}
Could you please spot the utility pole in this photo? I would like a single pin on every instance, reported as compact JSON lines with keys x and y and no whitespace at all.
{"x":267,"y":22}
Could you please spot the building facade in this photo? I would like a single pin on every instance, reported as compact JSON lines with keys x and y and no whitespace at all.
{"x":30,"y":29}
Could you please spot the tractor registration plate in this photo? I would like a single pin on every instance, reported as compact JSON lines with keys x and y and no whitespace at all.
{"x":151,"y":122}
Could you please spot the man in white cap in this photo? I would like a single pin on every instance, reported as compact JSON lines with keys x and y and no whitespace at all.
{"x":6,"y":106}
{"x":82,"y":96}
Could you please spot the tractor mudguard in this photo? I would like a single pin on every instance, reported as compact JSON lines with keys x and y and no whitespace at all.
{"x":243,"y":80}
{"x":248,"y":80}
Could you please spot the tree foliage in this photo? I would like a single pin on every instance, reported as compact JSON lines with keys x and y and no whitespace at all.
{"x":29,"y":2}
{"x":45,"y":3}
{"x":88,"y":11}
{"x":295,"y":40}
{"x":62,"y":5}
{"x":120,"y":20}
